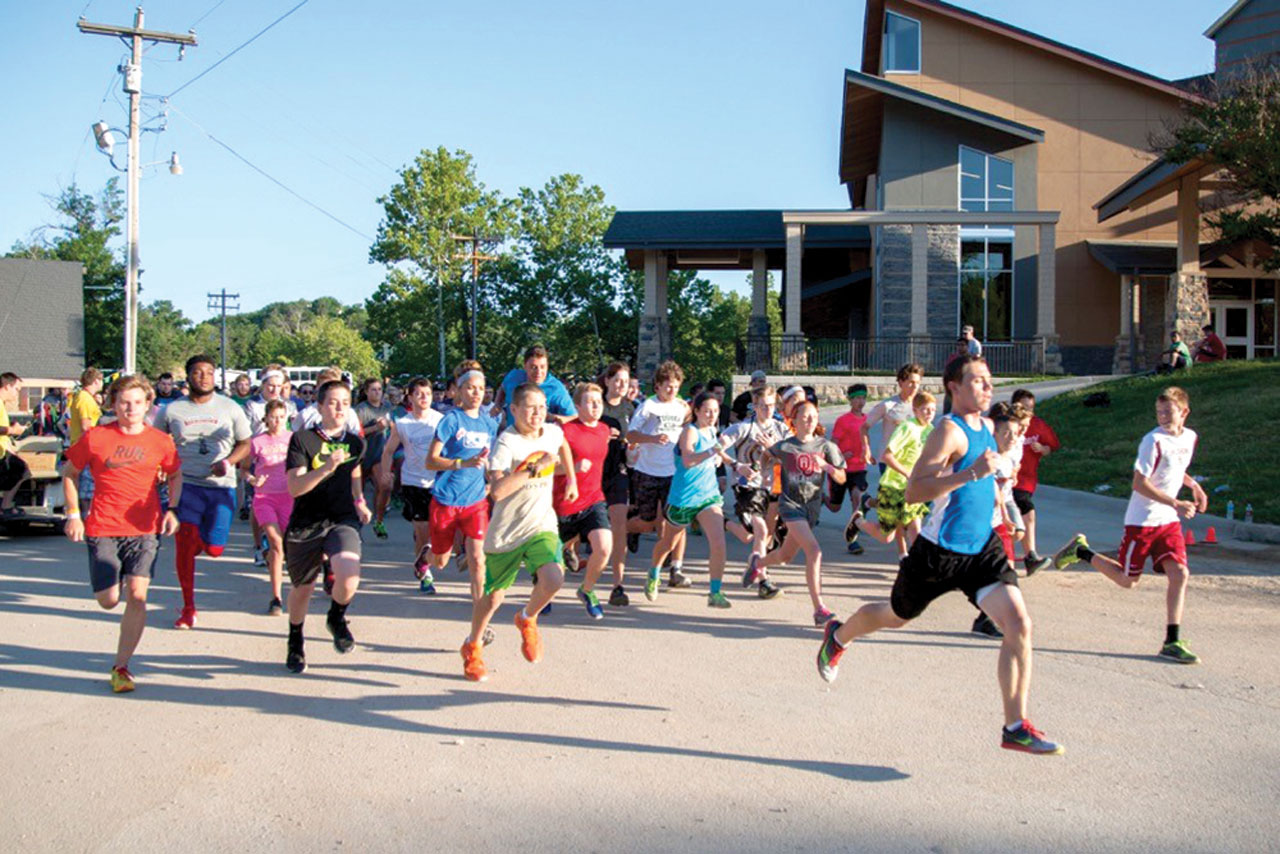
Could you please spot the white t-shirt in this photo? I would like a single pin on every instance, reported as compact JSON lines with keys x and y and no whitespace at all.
{"x":256,"y":409}
{"x":416,"y":438}
{"x":310,"y":417}
{"x":529,"y":510}
{"x":1163,"y":459}
{"x":653,"y":417}
{"x":1006,"y":476}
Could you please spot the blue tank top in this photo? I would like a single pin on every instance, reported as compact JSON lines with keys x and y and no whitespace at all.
{"x":961,"y":519}
{"x":694,"y":485}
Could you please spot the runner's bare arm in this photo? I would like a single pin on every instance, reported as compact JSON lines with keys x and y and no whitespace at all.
{"x":928,"y":479}
{"x":169,"y":524}
{"x":566,"y":468}
{"x":1198,"y":495}
{"x":1144,"y":487}
{"x":74,"y":526}
{"x":302,"y":481}
{"x":363,"y":513}
{"x":388,"y":455}
{"x":503,"y":484}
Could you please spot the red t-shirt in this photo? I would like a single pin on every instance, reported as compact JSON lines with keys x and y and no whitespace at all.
{"x":124,"y":467}
{"x":590,"y":445}
{"x":847,"y":434}
{"x":1028,"y":473}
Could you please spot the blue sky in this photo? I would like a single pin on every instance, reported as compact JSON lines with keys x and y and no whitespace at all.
{"x":663,"y":104}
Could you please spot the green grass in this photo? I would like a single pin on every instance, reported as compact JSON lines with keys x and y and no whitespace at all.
{"x":1235,"y":410}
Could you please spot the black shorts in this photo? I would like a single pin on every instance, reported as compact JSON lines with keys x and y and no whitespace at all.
{"x":748,"y":501}
{"x":929,"y":570}
{"x":305,"y":550}
{"x":852,"y":480}
{"x":13,"y":470}
{"x":112,"y":558}
{"x":617,"y":490}
{"x":651,"y":491}
{"x":417,"y":502}
{"x":582,"y":523}
{"x":1025,"y":501}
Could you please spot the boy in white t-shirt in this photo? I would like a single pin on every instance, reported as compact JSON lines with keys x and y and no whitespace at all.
{"x":523,"y":527}
{"x":1152,"y":527}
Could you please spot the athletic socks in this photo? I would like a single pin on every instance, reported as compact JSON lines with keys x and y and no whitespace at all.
{"x":654,"y":571}
{"x":188,"y":545}
{"x":677,"y":567}
{"x":716,"y":584}
{"x":1013,"y":727}
{"x":1171,"y":633}
{"x":295,"y":633}
{"x":1084,"y":553}
{"x":336,"y":611}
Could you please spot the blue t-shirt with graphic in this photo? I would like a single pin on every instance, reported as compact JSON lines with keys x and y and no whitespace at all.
{"x":463,"y":437}
{"x":559,"y":401}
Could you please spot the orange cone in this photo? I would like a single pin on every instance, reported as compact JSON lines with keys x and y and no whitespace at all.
{"x":1211,"y":536}
{"x":1188,"y":536}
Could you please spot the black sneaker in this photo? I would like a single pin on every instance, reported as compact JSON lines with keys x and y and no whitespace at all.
{"x":342,"y":639}
{"x":1034,"y":563}
{"x":618,"y":598}
{"x":276,"y":608}
{"x":676,"y":578}
{"x":633,"y":543}
{"x":295,"y":661}
{"x":982,"y":625}
{"x":767,"y":589}
{"x":571,"y":561}
{"x":244,"y":514}
{"x":851,"y":530}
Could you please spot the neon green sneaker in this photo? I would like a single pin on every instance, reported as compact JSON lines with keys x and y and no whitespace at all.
{"x":121,"y":680}
{"x":1066,"y":555}
{"x":718,"y":600}
{"x":651,"y":589}
{"x":1177,"y":651}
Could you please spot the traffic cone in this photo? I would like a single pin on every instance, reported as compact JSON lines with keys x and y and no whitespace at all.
{"x":1211,"y":536}
{"x":1188,"y":536}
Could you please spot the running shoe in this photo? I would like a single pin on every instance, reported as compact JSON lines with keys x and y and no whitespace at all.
{"x":1034,"y":563}
{"x":244,"y":514}
{"x":1066,"y":555}
{"x":592,"y":603}
{"x":767,"y":589}
{"x":983,"y":625}
{"x":753,"y":572}
{"x":718,"y":600}
{"x":570,"y":556}
{"x":121,"y":680}
{"x":380,"y":529}
{"x":276,"y":608}
{"x":676,"y":578}
{"x":851,"y":530}
{"x":829,"y":653}
{"x":427,"y":585}
{"x":422,"y":563}
{"x":342,"y":639}
{"x":487,"y":637}
{"x":472,"y":665}
{"x":651,"y":589}
{"x":633,"y":543}
{"x":1177,"y":651}
{"x":186,"y":620}
{"x":530,"y":642}
{"x":295,"y":660}
{"x":822,"y":616}
{"x":618,"y":598}
{"x":1028,"y":739}
{"x":259,"y":557}
{"x":854,"y":548}
{"x":867,"y":503}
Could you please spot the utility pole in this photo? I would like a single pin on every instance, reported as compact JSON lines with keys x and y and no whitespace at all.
{"x":218,"y":302}
{"x":473,"y":255}
{"x":133,"y":37}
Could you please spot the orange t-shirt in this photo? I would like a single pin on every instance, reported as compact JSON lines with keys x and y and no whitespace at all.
{"x":124,"y":467}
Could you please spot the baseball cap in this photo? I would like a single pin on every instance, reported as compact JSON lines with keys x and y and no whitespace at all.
{"x":758,"y":376}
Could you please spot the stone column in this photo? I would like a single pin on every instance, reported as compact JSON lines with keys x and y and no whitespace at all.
{"x":793,"y":356}
{"x":1187,"y":308}
{"x":1046,"y":297}
{"x":758,"y":350}
{"x":649,"y":349}
{"x":1122,"y":362}
{"x":664,"y":315}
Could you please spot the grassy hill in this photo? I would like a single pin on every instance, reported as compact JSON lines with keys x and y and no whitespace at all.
{"x":1235,"y":409}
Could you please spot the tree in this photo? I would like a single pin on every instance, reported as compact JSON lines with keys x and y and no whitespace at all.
{"x":1238,"y":128}
{"x":85,"y":236}
{"x":437,"y":198}
{"x":164,"y":339}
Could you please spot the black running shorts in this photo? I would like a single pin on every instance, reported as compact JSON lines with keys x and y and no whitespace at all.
{"x":929,"y":570}
{"x":305,"y":550}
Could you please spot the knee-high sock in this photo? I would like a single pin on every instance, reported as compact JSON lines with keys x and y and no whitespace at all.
{"x":188,"y":545}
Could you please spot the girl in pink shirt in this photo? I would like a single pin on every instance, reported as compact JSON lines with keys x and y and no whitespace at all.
{"x":272,"y":503}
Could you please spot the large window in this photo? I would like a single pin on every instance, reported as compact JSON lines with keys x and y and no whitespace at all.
{"x":901,"y":44}
{"x":986,"y":287}
{"x":986,"y":181}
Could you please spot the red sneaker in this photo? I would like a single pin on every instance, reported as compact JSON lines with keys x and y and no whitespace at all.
{"x":187,"y":620}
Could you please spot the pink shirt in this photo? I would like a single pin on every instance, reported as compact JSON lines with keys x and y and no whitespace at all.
{"x":268,"y":454}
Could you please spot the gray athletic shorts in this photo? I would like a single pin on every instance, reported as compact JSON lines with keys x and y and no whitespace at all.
{"x":112,"y":558}
{"x":305,"y":551}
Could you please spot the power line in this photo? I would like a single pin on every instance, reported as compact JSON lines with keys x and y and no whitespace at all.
{"x":206,"y":14}
{"x":272,"y":178}
{"x":238,"y":49}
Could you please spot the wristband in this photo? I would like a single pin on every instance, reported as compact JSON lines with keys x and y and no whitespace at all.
{"x":75,"y":515}
{"x":457,"y":464}
{"x":360,"y":502}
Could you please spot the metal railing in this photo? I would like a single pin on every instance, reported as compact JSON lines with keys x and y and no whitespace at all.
{"x":880,"y":355}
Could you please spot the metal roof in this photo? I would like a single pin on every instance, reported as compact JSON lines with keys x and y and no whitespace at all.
{"x":1130,"y":259}
{"x":719,"y":229}
{"x":1155,"y":180}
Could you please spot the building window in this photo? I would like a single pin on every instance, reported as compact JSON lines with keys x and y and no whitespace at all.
{"x":901,"y":44}
{"x":986,"y":181}
{"x":986,"y":287}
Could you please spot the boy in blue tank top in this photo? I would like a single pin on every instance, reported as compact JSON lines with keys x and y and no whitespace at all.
{"x":958,"y":550}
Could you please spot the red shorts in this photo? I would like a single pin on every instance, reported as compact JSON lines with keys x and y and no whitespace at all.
{"x":1157,"y":542}
{"x":446,"y":521}
{"x":1006,"y":538}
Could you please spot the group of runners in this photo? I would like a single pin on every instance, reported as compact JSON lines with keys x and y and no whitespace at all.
{"x":542,"y":474}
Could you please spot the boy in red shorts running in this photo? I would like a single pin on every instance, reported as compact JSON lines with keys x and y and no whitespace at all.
{"x":1152,"y":527}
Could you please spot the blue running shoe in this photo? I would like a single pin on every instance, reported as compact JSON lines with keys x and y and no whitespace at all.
{"x":588,"y":597}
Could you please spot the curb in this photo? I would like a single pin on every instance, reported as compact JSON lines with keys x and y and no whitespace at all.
{"x":1251,"y":532}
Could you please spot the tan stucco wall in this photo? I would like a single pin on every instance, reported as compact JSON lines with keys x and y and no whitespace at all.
{"x":1097,"y":127}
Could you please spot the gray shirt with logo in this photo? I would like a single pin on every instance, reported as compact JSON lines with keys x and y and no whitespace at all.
{"x":205,"y":433}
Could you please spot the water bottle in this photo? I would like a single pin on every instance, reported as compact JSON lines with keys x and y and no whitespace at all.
{"x":1248,"y":514}
{"x":1231,"y":510}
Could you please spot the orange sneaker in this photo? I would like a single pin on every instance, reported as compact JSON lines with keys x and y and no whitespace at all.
{"x":530,"y":643}
{"x":472,"y":664}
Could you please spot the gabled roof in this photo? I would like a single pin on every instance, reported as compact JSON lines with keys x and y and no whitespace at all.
{"x":872,"y":31}
{"x":942,"y":105}
{"x":1226,"y":18}
{"x":1154,"y":181}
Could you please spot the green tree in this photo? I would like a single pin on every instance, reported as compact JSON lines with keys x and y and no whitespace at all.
{"x":164,"y":339}
{"x":85,"y":234}
{"x":329,"y":341}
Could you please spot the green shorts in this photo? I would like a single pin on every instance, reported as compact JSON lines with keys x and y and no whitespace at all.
{"x":684,"y":516}
{"x":893,"y":512}
{"x":501,"y":568}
